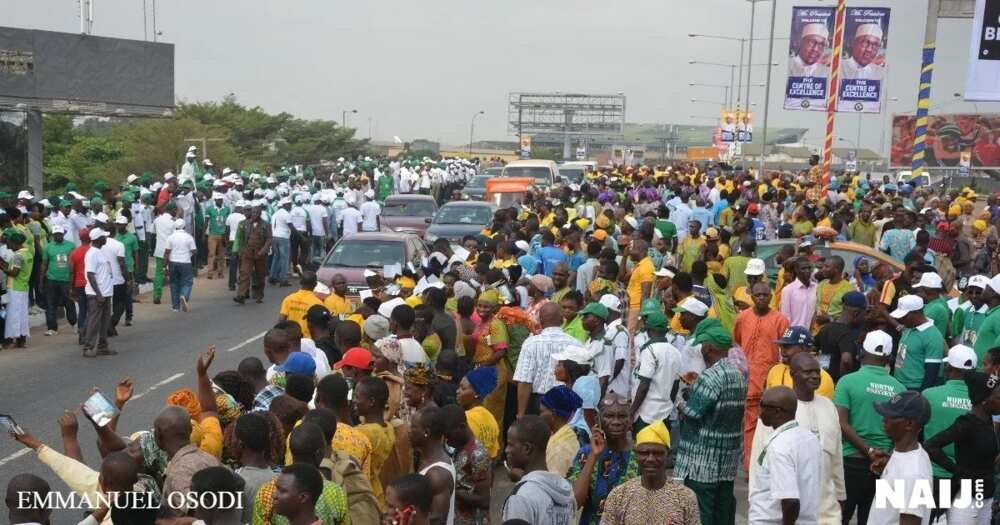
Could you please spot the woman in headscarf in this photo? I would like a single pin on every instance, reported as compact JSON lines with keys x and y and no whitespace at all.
{"x":538,"y":286}
{"x":652,"y":497}
{"x":418,"y":387}
{"x":18,"y":270}
{"x":557,"y":407}
{"x":387,"y":356}
{"x":491,"y":345}
{"x":472,"y":390}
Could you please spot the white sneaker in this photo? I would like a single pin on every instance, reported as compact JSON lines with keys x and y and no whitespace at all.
{"x":184,"y":304}
{"x":51,"y":332}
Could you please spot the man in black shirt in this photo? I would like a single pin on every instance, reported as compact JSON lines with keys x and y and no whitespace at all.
{"x":837,"y":341}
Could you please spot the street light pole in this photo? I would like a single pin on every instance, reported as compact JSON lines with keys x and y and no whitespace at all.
{"x":472,"y":129}
{"x":343,"y":116}
{"x":767,"y":91}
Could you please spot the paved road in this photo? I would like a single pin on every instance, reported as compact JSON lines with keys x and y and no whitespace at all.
{"x":38,"y":383}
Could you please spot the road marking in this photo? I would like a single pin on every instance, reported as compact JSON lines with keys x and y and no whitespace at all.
{"x":14,"y":456}
{"x":158,"y":385}
{"x":248,"y":341}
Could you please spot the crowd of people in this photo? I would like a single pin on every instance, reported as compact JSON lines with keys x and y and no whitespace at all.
{"x":623,"y":348}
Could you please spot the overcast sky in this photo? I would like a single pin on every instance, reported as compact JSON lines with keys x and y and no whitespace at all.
{"x":422,"y":69}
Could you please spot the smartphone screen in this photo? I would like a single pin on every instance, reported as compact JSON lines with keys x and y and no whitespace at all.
{"x":99,"y":409}
{"x":10,"y":425}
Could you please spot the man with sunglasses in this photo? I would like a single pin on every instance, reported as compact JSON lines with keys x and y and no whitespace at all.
{"x":968,"y":315}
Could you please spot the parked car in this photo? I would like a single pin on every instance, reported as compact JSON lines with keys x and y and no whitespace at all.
{"x":545,"y":172}
{"x":457,"y":219}
{"x":407,"y":213}
{"x":354,"y":254}
{"x":768,"y":250}
{"x":475,"y":189}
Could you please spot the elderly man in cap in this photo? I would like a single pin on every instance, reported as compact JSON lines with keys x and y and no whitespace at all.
{"x":652,"y":497}
{"x":811,"y":59}
{"x":794,"y":341}
{"x":708,"y":454}
{"x":864,"y":61}
{"x":657,"y":370}
{"x":921,"y":347}
{"x":58,"y":272}
{"x":756,"y":330}
{"x":99,"y":271}
{"x":865,"y":441}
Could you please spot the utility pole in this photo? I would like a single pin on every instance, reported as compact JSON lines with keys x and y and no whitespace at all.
{"x":155,"y":32}
{"x":204,"y":145}
{"x":924,"y":94}
{"x":767,"y":91}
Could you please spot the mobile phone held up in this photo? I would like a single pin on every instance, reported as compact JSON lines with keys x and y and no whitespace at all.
{"x":9,"y":425}
{"x":99,"y":409}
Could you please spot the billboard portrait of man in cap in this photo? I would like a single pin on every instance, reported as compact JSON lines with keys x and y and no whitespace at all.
{"x":811,"y":58}
{"x":866,"y":60}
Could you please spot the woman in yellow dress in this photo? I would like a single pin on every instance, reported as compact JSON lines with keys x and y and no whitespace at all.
{"x":491,"y":345}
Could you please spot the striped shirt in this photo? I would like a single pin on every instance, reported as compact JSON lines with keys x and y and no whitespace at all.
{"x":535,"y":364}
{"x":709,"y":448}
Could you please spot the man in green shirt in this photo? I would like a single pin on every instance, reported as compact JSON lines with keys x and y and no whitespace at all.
{"x":735,"y":266}
{"x":131,"y":242}
{"x":921,"y":348}
{"x":936,"y":309}
{"x":988,"y":335}
{"x":862,"y":230}
{"x":969,"y":315}
{"x":864,"y":438}
{"x":949,"y":400}
{"x":58,"y":280}
{"x":215,"y":217}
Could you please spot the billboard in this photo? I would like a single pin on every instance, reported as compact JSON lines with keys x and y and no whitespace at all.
{"x":949,"y":137}
{"x":983,"y":79}
{"x":862,"y":61}
{"x":84,"y":74}
{"x":565,"y":113}
{"x":736,"y":126}
{"x":810,"y":53}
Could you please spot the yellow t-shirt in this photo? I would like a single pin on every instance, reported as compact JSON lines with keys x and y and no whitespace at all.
{"x":383,"y":440}
{"x":295,"y":306}
{"x":642,"y":273}
{"x":484,"y":427}
{"x":781,"y":374}
{"x":337,"y":305}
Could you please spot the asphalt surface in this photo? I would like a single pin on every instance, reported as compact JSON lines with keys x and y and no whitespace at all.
{"x":158,"y":352}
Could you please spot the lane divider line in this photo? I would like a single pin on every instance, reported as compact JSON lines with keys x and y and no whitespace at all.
{"x":157,"y":385}
{"x":248,"y":341}
{"x":14,"y":456}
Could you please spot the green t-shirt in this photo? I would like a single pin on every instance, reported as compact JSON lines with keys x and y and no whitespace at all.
{"x":988,"y":335}
{"x":216,"y":219}
{"x":131,"y":243}
{"x":735,"y":269}
{"x":947,"y":401}
{"x":858,"y":392}
{"x":56,"y":255}
{"x":938,"y":311}
{"x":575,"y":329}
{"x":965,"y":323}
{"x":923,"y":344}
{"x":667,"y":228}
{"x":23,"y":259}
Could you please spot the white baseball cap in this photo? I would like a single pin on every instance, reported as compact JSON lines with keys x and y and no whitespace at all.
{"x":755,"y":267}
{"x":321,"y":288}
{"x":58,"y":229}
{"x":97,"y":233}
{"x":102,"y":217}
{"x":929,"y":280}
{"x":878,"y":343}
{"x":979,"y":281}
{"x":693,"y":306}
{"x":179,"y":224}
{"x":574,"y":353}
{"x":995,"y":283}
{"x":962,"y":357}
{"x":523,"y":246}
{"x":907,"y":304}
{"x":664,"y":272}
{"x":131,"y":178}
{"x":25,"y":194}
{"x":386,"y":308}
{"x":121,"y":219}
{"x":611,"y":302}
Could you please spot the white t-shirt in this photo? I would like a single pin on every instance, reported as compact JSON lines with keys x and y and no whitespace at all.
{"x":617,"y":337}
{"x":96,"y":262}
{"x":792,"y":468}
{"x":317,"y":216}
{"x":280,"y":224}
{"x":299,"y":218}
{"x":113,"y":249}
{"x":349,"y":219}
{"x":233,"y":223}
{"x":661,"y":363}
{"x":163,"y":226}
{"x":181,"y":245}
{"x":370,"y":211}
{"x":308,"y":346}
{"x":909,"y":467}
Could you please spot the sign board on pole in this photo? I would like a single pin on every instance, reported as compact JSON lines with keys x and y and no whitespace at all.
{"x":810,"y":53}
{"x":862,"y":62}
{"x":964,"y":162}
{"x":526,"y":147}
{"x":983,"y":79}
{"x":581,"y":153}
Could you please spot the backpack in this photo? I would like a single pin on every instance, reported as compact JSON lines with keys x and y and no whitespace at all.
{"x":519,"y":327}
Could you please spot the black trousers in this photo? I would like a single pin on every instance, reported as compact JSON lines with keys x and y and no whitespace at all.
{"x":56,"y":296}
{"x":859,"y":483}
{"x":120,"y":303}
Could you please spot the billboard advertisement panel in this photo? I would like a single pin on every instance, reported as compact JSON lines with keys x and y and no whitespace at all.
{"x":862,"y":62}
{"x":736,"y":126}
{"x":948,"y":138}
{"x":85,"y":73}
{"x":983,"y":81}
{"x":809,"y":52}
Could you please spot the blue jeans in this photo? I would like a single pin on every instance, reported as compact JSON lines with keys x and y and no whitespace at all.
{"x":279,"y":258}
{"x":181,"y":281}
{"x":318,"y":246}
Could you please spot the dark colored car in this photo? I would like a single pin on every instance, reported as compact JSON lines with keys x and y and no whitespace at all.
{"x":475,"y":190}
{"x":354,"y":254}
{"x":407,"y":213}
{"x":457,"y":219}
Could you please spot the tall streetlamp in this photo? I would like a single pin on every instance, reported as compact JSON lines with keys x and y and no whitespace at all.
{"x":743,"y":45}
{"x":732,"y":74}
{"x":343,"y":116}
{"x":472,"y":129}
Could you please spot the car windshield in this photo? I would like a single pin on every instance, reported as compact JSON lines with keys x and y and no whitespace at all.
{"x":464,"y":215}
{"x":493,"y":172}
{"x":479,"y":181}
{"x":353,"y":253}
{"x":542,"y":175}
{"x":408,"y":208}
{"x":572,"y":174}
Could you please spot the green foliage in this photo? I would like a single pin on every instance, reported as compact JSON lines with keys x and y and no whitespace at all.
{"x":108,"y":150}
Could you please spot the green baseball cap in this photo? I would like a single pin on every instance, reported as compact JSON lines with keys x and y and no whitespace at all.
{"x":596,"y":309}
{"x":657,"y":321}
{"x":649,"y":306}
